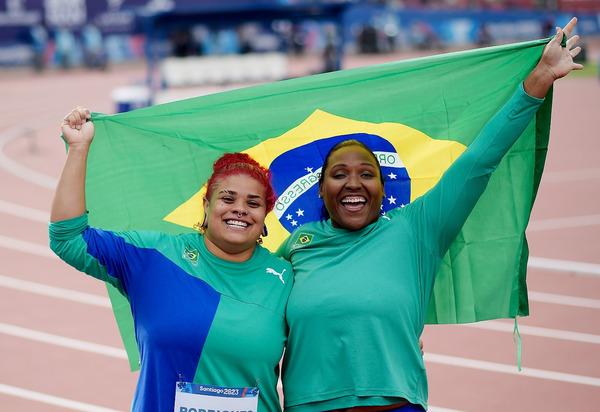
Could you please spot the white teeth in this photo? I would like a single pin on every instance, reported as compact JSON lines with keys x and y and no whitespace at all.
{"x":353,"y":200}
{"x":236,"y":223}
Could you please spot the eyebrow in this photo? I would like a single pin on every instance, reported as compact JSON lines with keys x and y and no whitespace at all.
{"x":345,"y":165}
{"x":233,"y":193}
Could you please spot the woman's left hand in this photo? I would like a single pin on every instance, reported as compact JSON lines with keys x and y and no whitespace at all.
{"x":558,"y":59}
{"x":556,"y":62}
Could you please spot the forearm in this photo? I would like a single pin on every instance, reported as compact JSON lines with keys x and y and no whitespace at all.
{"x":69,"y":198}
{"x":447,"y":205}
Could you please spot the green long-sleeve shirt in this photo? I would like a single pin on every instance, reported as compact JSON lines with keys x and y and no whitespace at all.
{"x":359,"y":300}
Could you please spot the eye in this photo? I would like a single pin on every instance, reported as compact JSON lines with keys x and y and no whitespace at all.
{"x":227,"y":199}
{"x":367,"y":175}
{"x":254,"y":204}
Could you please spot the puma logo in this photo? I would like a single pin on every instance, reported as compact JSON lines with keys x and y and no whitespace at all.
{"x":273,"y":272}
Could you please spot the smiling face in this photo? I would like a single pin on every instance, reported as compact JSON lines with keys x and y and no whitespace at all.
{"x":352,"y":188}
{"x":226,"y":235}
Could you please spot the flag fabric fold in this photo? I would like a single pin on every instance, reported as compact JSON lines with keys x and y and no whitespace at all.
{"x":146,"y":167}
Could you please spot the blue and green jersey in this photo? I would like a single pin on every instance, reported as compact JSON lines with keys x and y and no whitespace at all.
{"x":197,"y":317}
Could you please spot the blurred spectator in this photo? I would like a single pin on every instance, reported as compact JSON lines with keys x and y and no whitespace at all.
{"x":39,"y":42}
{"x":65,"y":46}
{"x":483,"y":36}
{"x":93,"y":47}
{"x":548,"y":27}
{"x":183,"y":43}
{"x":298,"y":39}
{"x":367,"y":40}
{"x":227,"y":41}
{"x":331,"y":58}
{"x":425,"y":36}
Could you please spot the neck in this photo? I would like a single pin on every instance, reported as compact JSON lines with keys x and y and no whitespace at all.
{"x":230,"y":253}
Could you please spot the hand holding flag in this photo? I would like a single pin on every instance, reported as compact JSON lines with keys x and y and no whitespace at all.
{"x":76,"y":129}
{"x":556,"y":61}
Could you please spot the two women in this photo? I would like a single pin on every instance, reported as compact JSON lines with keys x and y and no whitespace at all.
{"x":207,"y":308}
{"x":362,"y":284}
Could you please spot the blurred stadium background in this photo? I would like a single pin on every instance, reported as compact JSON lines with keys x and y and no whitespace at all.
{"x":198,"y":43}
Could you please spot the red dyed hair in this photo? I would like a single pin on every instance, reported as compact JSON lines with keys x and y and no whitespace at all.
{"x":232,"y":164}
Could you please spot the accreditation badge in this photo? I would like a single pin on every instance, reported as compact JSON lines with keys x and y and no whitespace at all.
{"x":195,"y":397}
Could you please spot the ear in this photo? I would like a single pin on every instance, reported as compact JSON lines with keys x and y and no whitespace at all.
{"x":205,"y":206}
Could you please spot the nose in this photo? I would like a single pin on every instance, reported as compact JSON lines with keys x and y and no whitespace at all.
{"x":353,"y":182}
{"x":239,"y":209}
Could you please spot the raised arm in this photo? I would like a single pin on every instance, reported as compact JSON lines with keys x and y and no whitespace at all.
{"x":69,"y":198}
{"x":556,"y":62}
{"x":448,"y":204}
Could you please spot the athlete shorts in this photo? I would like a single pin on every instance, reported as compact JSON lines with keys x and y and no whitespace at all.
{"x":408,"y":408}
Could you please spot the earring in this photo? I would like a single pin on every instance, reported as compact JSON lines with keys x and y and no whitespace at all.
{"x":264,"y":233}
{"x":200,"y":227}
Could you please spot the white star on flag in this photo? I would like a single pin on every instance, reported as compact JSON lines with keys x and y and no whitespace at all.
{"x":294,"y":223}
{"x":392,"y":200}
{"x":288,"y":217}
{"x":392,"y":176}
{"x":309,"y":169}
{"x":300,"y":212}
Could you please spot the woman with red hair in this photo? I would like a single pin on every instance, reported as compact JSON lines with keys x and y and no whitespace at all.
{"x":208,"y":308}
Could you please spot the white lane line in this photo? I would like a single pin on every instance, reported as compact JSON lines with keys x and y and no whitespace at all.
{"x":564,"y":266}
{"x":26,"y":247}
{"x":564,"y":300}
{"x":563,"y":223}
{"x":571,"y":175}
{"x":536,"y":331}
{"x":55,"y":292}
{"x":52,"y":400}
{"x":24,"y":212}
{"x":17,"y":169}
{"x":62,"y":341}
{"x":511,"y":369}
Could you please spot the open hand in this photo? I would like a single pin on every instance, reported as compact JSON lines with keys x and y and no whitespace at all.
{"x":558,"y":59}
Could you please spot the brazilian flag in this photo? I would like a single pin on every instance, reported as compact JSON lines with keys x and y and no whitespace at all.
{"x":147,"y":167}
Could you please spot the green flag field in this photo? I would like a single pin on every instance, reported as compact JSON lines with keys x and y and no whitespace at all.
{"x":147,"y":167}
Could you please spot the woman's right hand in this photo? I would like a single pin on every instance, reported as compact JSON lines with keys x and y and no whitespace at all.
{"x":76,"y":129}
